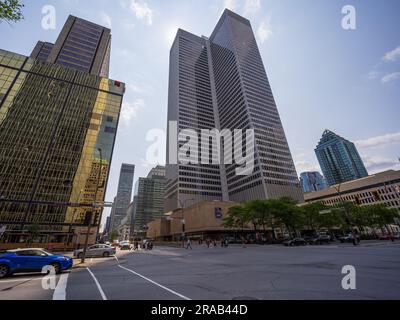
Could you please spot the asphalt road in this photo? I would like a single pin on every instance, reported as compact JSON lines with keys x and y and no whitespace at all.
{"x":255,"y":272}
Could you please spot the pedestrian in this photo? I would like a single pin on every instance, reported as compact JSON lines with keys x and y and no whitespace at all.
{"x":208,"y":243}
{"x":189,"y":244}
{"x":215,"y":243}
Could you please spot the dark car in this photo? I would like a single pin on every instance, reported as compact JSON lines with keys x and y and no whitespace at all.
{"x":31,"y":260}
{"x":321,"y":239}
{"x":295,"y":242}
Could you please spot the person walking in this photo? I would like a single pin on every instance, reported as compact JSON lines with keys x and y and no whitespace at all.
{"x":189,"y":244}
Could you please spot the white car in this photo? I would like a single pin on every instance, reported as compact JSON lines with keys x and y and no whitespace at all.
{"x":98,"y":250}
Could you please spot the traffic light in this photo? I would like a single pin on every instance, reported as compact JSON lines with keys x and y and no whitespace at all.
{"x":96,"y":221}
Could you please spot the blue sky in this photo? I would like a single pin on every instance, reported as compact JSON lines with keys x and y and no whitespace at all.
{"x":322,"y":76}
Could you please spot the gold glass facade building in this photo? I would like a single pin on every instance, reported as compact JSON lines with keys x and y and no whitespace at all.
{"x":57,"y":133}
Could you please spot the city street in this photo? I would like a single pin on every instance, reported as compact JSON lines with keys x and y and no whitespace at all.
{"x":255,"y":272}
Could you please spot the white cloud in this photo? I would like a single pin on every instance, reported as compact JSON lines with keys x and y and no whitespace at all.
{"x":304,"y":166}
{"x":230,"y":4}
{"x":264,"y":31}
{"x":142,"y":11}
{"x":379,"y":164}
{"x":106,"y":19}
{"x":130,"y":110}
{"x":251,"y":7}
{"x":379,"y":140}
{"x":390,"y":77}
{"x":373,"y":75}
{"x":392,"y":55}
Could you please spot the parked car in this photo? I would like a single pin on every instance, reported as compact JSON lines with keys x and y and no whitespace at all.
{"x":386,"y":236}
{"x":346,"y":238}
{"x":31,"y":260}
{"x":320,"y":239}
{"x":115,"y":243}
{"x":97,"y":250}
{"x":125,"y":245}
{"x":295,"y":242}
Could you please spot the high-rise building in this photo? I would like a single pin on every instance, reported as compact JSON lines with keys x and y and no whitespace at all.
{"x":312,"y":181}
{"x":57,"y":133}
{"x":42,"y":51}
{"x":81,"y":45}
{"x":149,"y":198}
{"x":220,"y":82}
{"x":339,"y":159}
{"x":124,"y":195}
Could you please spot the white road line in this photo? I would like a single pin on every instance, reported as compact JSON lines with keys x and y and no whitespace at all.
{"x":60,"y":293}
{"x":97,"y":284}
{"x":116,"y":259}
{"x":20,"y":280}
{"x":155,"y":283}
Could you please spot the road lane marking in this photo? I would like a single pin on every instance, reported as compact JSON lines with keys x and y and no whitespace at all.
{"x":20,"y":280}
{"x":155,"y":283}
{"x":116,"y":258}
{"x":60,"y":293}
{"x":97,"y":284}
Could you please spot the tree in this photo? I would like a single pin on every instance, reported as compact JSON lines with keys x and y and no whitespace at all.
{"x":238,"y":217}
{"x":312,"y":217}
{"x":11,"y":10}
{"x":113,"y":236}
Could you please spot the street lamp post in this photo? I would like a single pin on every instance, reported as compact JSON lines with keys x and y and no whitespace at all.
{"x":95,"y":199}
{"x":183,"y":219}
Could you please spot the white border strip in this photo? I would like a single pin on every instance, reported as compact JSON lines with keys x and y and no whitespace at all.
{"x":155,"y":283}
{"x":60,"y":293}
{"x":97,"y":284}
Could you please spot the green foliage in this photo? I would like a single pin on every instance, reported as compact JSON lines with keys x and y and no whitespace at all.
{"x":275,"y":213}
{"x":11,"y":10}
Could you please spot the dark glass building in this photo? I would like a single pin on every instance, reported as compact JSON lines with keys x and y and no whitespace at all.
{"x":124,"y":195}
{"x":42,"y":51}
{"x":220,"y":82}
{"x":339,"y":159}
{"x":81,"y":45}
{"x":312,"y":181}
{"x":57,"y":133}
{"x":149,"y":198}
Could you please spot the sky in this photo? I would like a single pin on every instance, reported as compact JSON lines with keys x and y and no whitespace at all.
{"x":322,"y":75}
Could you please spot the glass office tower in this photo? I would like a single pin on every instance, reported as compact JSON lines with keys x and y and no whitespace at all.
{"x":312,"y":181}
{"x":57,"y":133}
{"x":220,"y":82}
{"x":339,"y":159}
{"x":81,"y":45}
{"x":149,"y":198}
{"x":124,"y":195}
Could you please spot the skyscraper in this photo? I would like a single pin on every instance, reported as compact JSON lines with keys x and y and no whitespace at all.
{"x":312,"y":181}
{"x":81,"y":45}
{"x":339,"y":159}
{"x":57,"y":133}
{"x":124,"y":195}
{"x":149,"y":198}
{"x":42,"y":51}
{"x":220,"y":82}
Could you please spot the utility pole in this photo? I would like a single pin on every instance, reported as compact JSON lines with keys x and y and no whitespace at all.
{"x":92,"y":213}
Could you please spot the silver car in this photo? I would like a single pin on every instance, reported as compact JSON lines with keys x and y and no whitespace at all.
{"x":97,"y":250}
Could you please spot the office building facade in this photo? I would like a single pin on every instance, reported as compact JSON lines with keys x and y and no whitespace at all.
{"x":124,"y":195}
{"x":312,"y":181}
{"x":149,"y":198}
{"x":380,"y":188}
{"x":339,"y":159}
{"x":57,"y":133}
{"x":220,"y":82}
{"x":81,"y":45}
